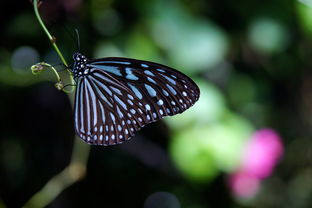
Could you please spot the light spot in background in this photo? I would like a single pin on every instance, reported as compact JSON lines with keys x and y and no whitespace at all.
{"x":107,"y":22}
{"x":162,"y":200}
{"x":306,"y":2}
{"x":23,"y":58}
{"x":192,"y":156}
{"x":197,"y":153}
{"x":191,"y":43}
{"x":141,"y":46}
{"x":268,"y":36}
{"x":107,"y":49}
{"x":261,"y":155}
{"x":304,"y":12}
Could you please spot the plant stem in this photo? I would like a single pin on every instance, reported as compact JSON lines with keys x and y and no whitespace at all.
{"x":48,"y":33}
{"x":52,"y":39}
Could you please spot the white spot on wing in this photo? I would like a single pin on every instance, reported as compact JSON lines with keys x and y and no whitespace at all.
{"x":136,"y":91}
{"x":171,"y":89}
{"x":102,"y":113}
{"x":116,"y":90}
{"x":99,"y":92}
{"x":147,"y":72}
{"x":161,"y":112}
{"x":130,"y":96}
{"x":124,"y":106}
{"x":160,"y":102}
{"x":165,"y":93}
{"x":151,"y":91}
{"x":112,"y":116}
{"x":147,"y":107}
{"x":110,"y":69}
{"x":130,"y":75}
{"x":151,"y":80}
{"x":169,"y":79}
{"x":130,"y":102}
{"x":160,"y":70}
{"x":120,"y":114}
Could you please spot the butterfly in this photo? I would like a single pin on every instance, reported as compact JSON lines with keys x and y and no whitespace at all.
{"x":116,"y":97}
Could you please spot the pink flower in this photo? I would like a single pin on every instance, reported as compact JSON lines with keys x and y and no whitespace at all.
{"x":261,"y":154}
{"x":244,"y":185}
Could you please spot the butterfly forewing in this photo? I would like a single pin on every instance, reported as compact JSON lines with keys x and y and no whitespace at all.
{"x":115,"y":97}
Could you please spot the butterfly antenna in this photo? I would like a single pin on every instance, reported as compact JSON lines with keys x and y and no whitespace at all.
{"x":69,"y":32}
{"x":78,"y":39}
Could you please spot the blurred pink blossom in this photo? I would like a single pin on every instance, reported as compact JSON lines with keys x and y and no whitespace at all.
{"x":244,"y":185}
{"x":261,"y":154}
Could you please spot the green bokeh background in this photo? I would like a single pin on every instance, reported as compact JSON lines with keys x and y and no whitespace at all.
{"x":251,"y":60}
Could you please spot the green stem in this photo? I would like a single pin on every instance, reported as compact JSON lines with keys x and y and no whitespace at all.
{"x":57,"y":75}
{"x":48,"y":33}
{"x":52,"y":40}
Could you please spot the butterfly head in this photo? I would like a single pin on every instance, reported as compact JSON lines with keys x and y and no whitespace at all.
{"x":78,"y":57}
{"x":79,"y":64}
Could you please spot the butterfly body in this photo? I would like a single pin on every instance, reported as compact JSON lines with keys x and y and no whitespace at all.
{"x":116,"y":97}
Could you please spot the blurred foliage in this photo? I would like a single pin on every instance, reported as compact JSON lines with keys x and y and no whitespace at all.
{"x":250,"y":59}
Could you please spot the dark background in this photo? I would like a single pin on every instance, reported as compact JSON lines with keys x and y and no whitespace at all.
{"x":251,"y":59}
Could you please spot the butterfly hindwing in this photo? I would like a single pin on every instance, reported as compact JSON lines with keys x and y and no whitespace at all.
{"x":118,"y":96}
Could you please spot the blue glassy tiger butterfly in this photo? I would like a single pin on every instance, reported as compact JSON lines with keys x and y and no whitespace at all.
{"x":115,"y":97}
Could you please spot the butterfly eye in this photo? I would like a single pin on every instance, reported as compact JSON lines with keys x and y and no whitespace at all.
{"x":116,"y":97}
